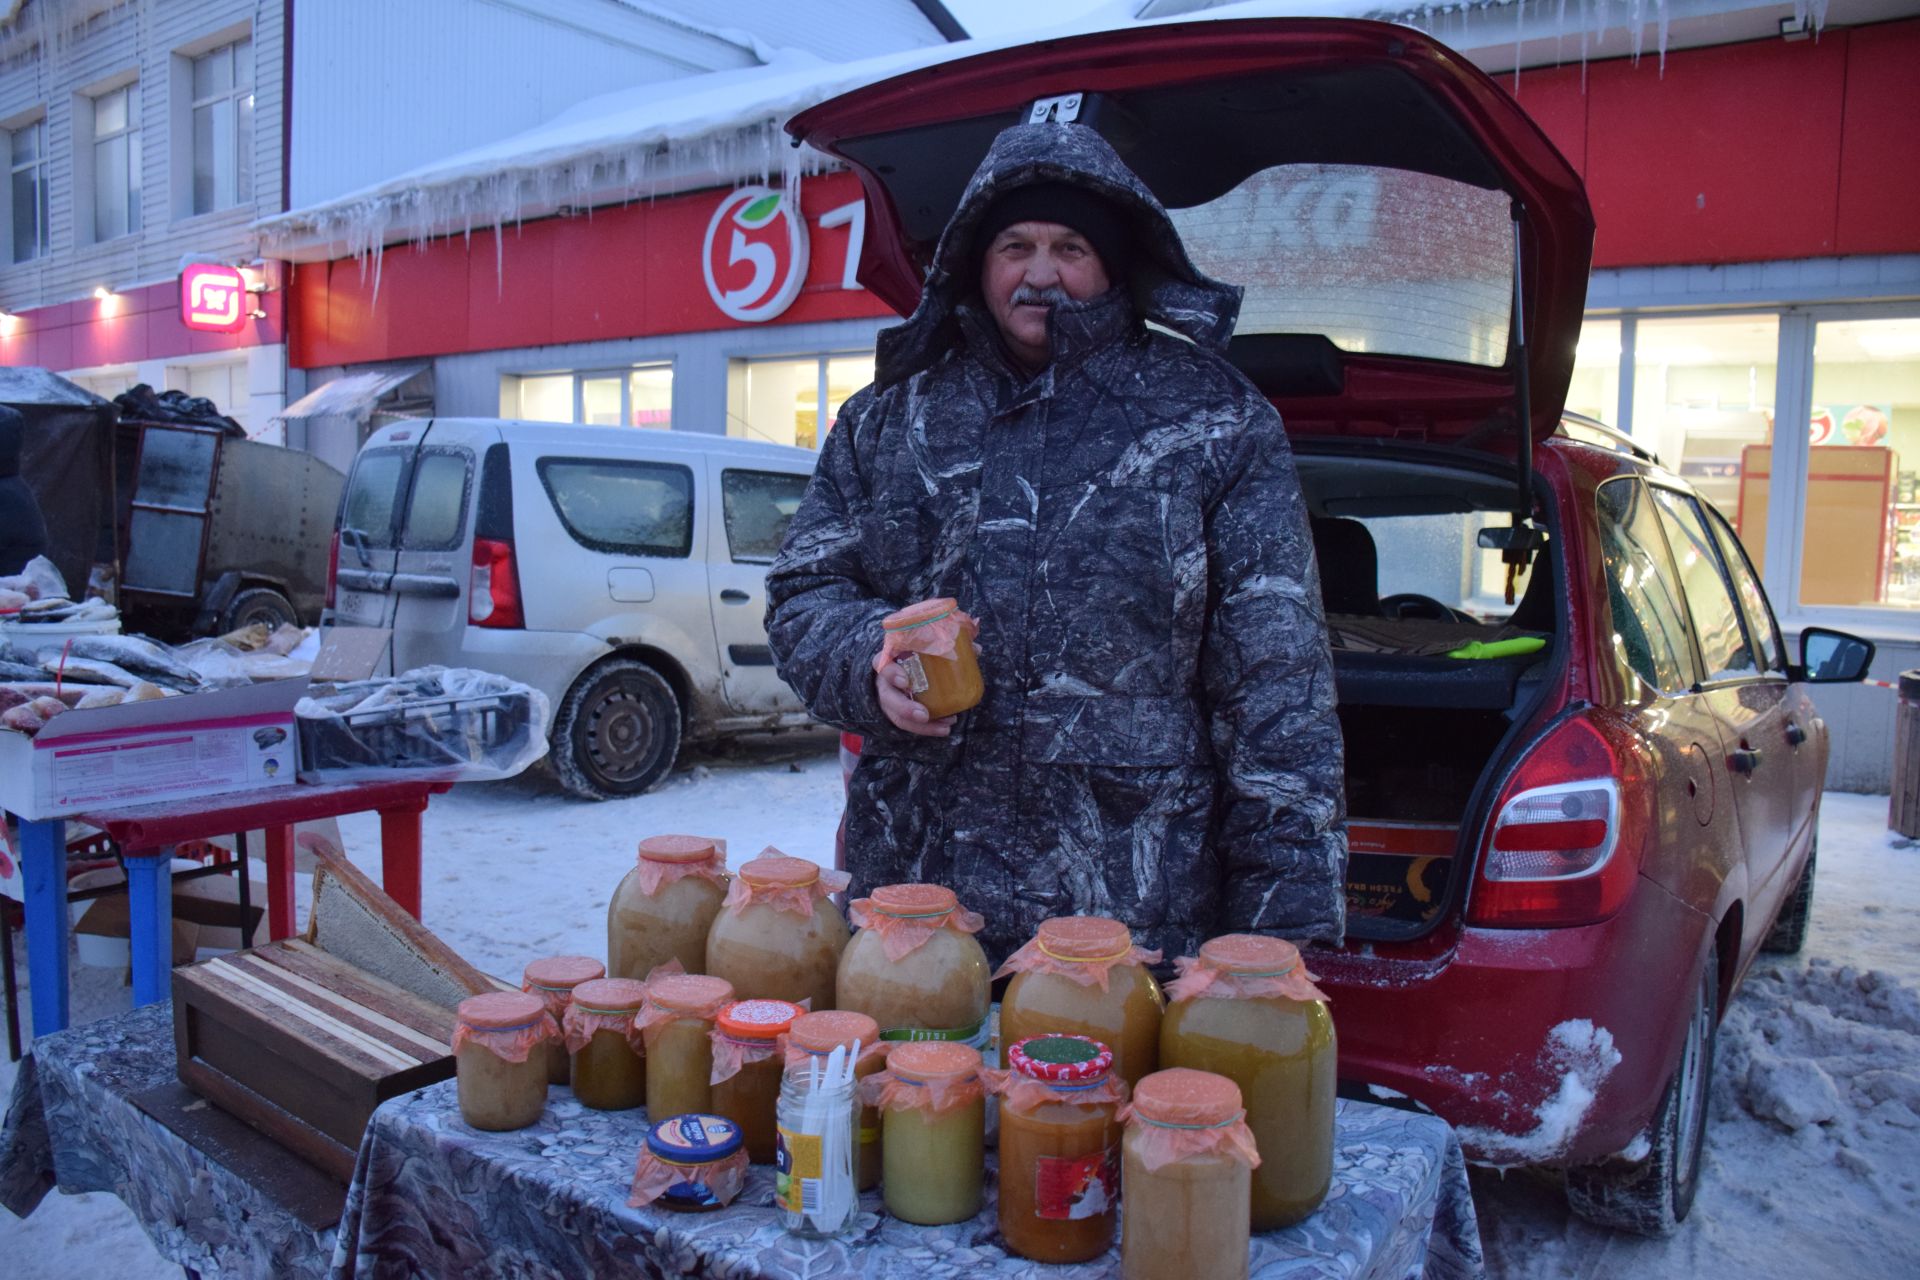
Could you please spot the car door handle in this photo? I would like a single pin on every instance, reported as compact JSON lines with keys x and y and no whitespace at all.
{"x":1744,"y":759}
{"x":1795,"y":734}
{"x":733,"y":595}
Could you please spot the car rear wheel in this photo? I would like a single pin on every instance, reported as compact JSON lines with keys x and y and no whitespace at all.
{"x":1789,"y":932}
{"x":258,"y":604}
{"x":618,"y":731}
{"x":1651,"y":1196}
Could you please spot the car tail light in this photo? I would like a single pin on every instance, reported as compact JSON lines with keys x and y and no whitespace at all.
{"x":1565,"y":842}
{"x":493,"y":592}
{"x":333,"y":568}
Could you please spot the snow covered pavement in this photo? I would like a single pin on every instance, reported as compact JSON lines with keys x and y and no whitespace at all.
{"x":1813,"y":1160}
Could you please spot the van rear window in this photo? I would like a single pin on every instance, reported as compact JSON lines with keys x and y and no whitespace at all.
{"x":622,"y":507}
{"x":437,"y":516}
{"x":373,"y":495}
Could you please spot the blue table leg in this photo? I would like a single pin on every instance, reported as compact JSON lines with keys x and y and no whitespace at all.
{"x":43,"y":869}
{"x":150,"y":919}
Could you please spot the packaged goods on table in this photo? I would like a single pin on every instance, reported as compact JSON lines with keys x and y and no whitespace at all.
{"x":933,"y":1105}
{"x":779,"y":936}
{"x":1083,"y":976}
{"x":812,"y":1039}
{"x":814,"y":1185}
{"x":609,"y":1073}
{"x":747,"y":1067}
{"x":1186,"y":1173}
{"x":1246,"y":1008}
{"x":665,"y":906}
{"x":553,"y":980}
{"x":500,"y":1060}
{"x":1059,"y":1148}
{"x":915,"y":966}
{"x":473,"y":726}
{"x":933,"y":643}
{"x":676,"y":1025}
{"x":690,"y":1164}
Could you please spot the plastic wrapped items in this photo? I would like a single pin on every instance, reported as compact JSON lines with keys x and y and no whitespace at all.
{"x":665,"y":906}
{"x":469,"y":726}
{"x":500,"y":1061}
{"x":747,"y":1066}
{"x":778,"y":936}
{"x":1246,"y":1008}
{"x":1083,"y":975}
{"x":690,"y":1164}
{"x":933,"y":1105}
{"x":609,"y":1073}
{"x":1186,"y":1173}
{"x":915,"y":966}
{"x":812,"y":1039}
{"x":933,"y":643}
{"x":676,"y":1025}
{"x":553,"y":980}
{"x":1059,"y":1148}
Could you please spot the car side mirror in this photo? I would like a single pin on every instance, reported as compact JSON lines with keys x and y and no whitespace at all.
{"x":1832,"y":657}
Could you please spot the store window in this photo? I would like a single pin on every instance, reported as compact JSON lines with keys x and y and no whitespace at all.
{"x":116,"y":163}
{"x":223,"y":127}
{"x":1595,"y":389}
{"x":787,"y":401}
{"x":640,"y":397}
{"x":27,"y":179}
{"x":1862,"y":541}
{"x":224,"y":383}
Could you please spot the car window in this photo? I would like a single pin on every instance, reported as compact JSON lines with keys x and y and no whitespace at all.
{"x":1440,"y":557}
{"x":758,"y":505}
{"x":1769,"y":650}
{"x":1724,"y":650}
{"x":1649,"y":618}
{"x":373,"y":495}
{"x":622,"y":506}
{"x":437,"y":516}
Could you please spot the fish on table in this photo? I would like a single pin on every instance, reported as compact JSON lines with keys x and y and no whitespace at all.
{"x":137,"y":654}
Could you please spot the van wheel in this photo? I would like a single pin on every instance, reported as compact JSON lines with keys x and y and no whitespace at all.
{"x":1789,"y":932}
{"x":618,"y":731}
{"x":1651,"y":1197}
{"x":258,"y":604}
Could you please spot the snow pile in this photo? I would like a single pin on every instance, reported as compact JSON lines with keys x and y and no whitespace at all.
{"x":1581,"y":1055}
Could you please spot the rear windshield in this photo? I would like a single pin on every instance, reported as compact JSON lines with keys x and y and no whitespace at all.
{"x":373,"y":494}
{"x":758,"y":506}
{"x":1378,"y":260}
{"x":620,"y":506}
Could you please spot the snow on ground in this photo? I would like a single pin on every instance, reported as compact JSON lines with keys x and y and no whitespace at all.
{"x":1813,"y":1159}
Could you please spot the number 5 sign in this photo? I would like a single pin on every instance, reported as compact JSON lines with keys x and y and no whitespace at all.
{"x":755,"y":255}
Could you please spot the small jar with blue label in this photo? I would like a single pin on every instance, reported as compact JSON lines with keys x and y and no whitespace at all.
{"x":690,"y":1164}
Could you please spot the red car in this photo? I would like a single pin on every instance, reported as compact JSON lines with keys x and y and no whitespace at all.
{"x":1583,"y":774}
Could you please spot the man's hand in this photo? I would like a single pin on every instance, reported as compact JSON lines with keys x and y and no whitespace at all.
{"x":902,"y":711}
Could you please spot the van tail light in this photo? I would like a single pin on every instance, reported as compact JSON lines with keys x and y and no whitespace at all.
{"x":1567,"y":835}
{"x":333,"y":568}
{"x":493,"y":592}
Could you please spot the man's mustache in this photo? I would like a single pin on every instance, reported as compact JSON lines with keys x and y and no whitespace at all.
{"x":1051,"y":296}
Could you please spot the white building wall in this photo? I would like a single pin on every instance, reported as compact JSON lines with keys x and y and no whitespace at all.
{"x":841,"y":31}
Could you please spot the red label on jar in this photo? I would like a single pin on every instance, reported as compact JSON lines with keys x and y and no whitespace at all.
{"x":1081,"y":1188}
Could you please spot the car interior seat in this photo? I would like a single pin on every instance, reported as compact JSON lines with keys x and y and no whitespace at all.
{"x":1349,"y":566}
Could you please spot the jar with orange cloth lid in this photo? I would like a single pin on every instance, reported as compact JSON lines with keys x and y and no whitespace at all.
{"x":1083,"y":976}
{"x":779,"y":936}
{"x":1059,"y":1148}
{"x":933,"y":643}
{"x":676,"y":1026}
{"x":933,"y":1106}
{"x":1186,"y":1172}
{"x":500,"y":1059}
{"x":665,"y":904}
{"x":553,"y":980}
{"x":915,"y":966}
{"x":748,"y":1062}
{"x":608,"y":1071}
{"x":816,"y":1036}
{"x":1246,"y":1008}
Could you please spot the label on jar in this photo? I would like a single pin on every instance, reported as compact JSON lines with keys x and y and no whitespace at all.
{"x":1083,"y":1187}
{"x":974,"y":1036}
{"x":797,"y":1170}
{"x":916,"y":673}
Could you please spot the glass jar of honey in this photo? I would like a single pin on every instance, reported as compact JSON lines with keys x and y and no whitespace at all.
{"x":747,"y":1066}
{"x":1083,"y":976}
{"x":933,"y":1109}
{"x":500,"y":1059}
{"x":915,"y":967}
{"x":665,"y":905}
{"x":1246,"y":1008}
{"x":1186,"y":1173}
{"x":933,"y":643}
{"x":1059,"y":1148}
{"x":779,"y":936}
{"x":676,"y":1026}
{"x":553,"y":980}
{"x":815,"y":1036}
{"x":609,"y":1073}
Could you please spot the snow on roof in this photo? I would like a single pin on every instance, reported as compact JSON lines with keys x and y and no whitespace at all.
{"x":30,"y":384}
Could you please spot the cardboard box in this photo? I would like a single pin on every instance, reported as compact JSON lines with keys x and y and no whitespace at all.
{"x":1398,"y":870}
{"x":190,"y":746}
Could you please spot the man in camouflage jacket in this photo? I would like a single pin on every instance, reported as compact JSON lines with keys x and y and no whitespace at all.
{"x":1157,"y":741}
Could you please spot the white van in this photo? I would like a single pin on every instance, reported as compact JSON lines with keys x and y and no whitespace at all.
{"x":622,"y":572}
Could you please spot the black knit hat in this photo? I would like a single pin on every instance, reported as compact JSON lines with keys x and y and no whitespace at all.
{"x":1098,"y":219}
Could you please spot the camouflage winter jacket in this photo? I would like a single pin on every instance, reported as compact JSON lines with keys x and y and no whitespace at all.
{"x":1157,"y":741}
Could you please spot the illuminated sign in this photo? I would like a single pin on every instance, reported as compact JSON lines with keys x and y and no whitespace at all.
{"x":213,"y":298}
{"x":755,"y":254}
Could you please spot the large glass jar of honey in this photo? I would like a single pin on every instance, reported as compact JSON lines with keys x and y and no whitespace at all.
{"x":1059,"y":1148}
{"x":1186,"y":1172}
{"x":553,"y":980}
{"x":676,"y":1025}
{"x":609,"y":1073}
{"x":779,"y":936}
{"x":500,"y":1059}
{"x":1083,"y":976}
{"x":747,"y":1067}
{"x":1246,"y":1008}
{"x":933,"y":1107}
{"x":815,"y":1036}
{"x":933,"y":643}
{"x":665,"y":905}
{"x":915,"y":967}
